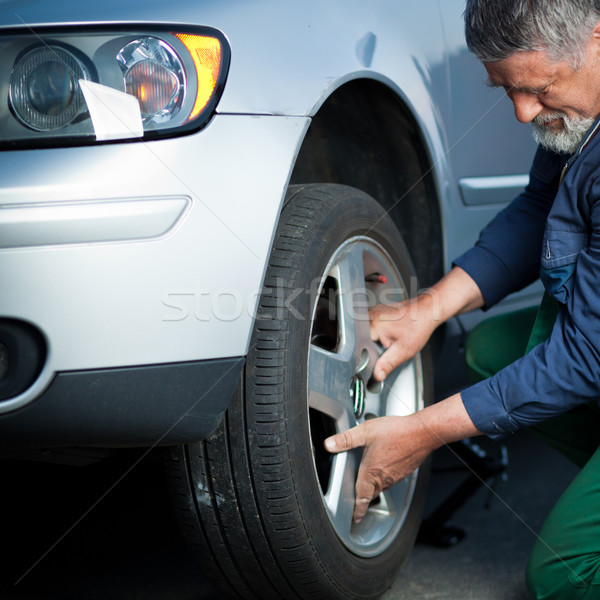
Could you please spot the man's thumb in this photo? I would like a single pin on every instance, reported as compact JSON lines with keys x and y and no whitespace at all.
{"x":388,"y":361}
{"x":344,"y":441}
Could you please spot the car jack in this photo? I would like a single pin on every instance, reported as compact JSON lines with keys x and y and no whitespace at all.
{"x":484,"y":470}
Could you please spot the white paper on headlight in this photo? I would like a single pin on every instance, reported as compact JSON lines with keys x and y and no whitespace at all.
{"x":115,"y":115}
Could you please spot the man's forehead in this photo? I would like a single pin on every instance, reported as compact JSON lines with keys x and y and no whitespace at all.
{"x":528,"y":70}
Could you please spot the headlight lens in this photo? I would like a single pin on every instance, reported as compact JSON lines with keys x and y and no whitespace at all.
{"x":44,"y":89}
{"x":154,"y":75}
{"x":175,"y":76}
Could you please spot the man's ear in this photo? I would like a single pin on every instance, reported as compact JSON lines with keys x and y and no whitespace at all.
{"x":595,"y":40}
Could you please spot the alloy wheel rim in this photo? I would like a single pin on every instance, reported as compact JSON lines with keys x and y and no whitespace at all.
{"x":342,"y":393}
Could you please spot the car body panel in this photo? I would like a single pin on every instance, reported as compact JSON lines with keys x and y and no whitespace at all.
{"x":179,"y":284}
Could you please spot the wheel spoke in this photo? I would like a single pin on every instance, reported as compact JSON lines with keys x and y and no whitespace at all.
{"x":340,"y":496}
{"x":392,"y":501}
{"x":400,"y":393}
{"x":329,"y":378}
{"x":355,"y":328}
{"x":373,"y":405}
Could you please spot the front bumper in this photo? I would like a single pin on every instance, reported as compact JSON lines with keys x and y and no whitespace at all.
{"x":132,"y":254}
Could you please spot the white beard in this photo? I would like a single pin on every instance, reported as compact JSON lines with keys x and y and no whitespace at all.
{"x":566,"y":139}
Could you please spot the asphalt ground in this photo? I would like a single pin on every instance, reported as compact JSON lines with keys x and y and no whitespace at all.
{"x":105,"y":531}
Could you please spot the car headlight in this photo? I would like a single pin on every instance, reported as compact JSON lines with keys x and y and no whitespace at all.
{"x":67,"y":87}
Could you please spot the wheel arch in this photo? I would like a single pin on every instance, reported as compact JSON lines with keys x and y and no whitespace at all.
{"x":365,"y":136}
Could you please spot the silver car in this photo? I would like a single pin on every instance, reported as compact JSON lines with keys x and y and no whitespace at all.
{"x":199,"y":201}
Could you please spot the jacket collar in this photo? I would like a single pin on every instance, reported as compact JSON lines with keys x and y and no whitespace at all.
{"x":587,"y":138}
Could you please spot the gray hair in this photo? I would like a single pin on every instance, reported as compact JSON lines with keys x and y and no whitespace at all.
{"x":495,"y":29}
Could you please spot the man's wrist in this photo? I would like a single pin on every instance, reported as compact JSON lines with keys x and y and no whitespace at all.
{"x":456,"y":293}
{"x":428,"y":307}
{"x":445,"y":422}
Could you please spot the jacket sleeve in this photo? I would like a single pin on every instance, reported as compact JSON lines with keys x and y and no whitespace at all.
{"x":506,"y":258}
{"x":562,"y":372}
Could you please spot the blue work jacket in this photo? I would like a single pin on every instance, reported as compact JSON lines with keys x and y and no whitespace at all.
{"x":551,"y":230}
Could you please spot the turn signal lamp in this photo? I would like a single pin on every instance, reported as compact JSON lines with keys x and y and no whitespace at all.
{"x":206,"y":53}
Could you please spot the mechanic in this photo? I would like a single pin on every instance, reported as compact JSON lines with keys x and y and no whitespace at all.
{"x":546,"y":56}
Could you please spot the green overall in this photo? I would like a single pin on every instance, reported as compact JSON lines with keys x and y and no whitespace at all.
{"x":565,"y":561}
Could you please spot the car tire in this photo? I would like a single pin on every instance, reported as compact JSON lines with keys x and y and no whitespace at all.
{"x":266,"y":509}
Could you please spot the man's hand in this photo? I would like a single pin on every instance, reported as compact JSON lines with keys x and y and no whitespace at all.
{"x":395,"y":446}
{"x":404,"y":328}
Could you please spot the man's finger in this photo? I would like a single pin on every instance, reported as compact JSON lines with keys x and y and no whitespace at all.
{"x":360,"y":508}
{"x":365,"y":492}
{"x":353,"y":438}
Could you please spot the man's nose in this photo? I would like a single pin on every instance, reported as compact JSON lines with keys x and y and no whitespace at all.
{"x":527,"y":106}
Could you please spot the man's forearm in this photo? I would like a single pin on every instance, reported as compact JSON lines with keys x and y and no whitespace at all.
{"x":454,"y":294}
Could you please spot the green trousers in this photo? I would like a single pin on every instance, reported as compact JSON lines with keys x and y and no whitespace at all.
{"x":565,"y":561}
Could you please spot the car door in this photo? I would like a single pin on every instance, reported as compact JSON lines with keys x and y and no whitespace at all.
{"x":489,"y":151}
